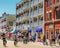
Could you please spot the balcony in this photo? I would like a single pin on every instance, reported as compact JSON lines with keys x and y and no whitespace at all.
{"x":35,"y":13}
{"x":40,"y":23}
{"x":50,"y":21}
{"x":35,"y":2}
{"x":40,"y":1}
{"x":25,"y":6}
{"x":55,"y":5}
{"x":57,"y":20}
{"x":31,"y":4}
{"x":26,"y":10}
{"x":25,"y":1}
{"x":35,"y":24}
{"x":40,"y":11}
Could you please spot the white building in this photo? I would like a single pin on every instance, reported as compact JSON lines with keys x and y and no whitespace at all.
{"x":29,"y":13}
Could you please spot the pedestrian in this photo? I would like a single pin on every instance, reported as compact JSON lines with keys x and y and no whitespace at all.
{"x":30,"y":37}
{"x":44,"y":40}
{"x":59,"y":39}
{"x":15,"y":40}
{"x":4,"y":39}
{"x":19,"y":37}
{"x":25,"y":40}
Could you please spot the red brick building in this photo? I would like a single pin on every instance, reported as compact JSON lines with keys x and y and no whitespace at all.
{"x":51,"y":18}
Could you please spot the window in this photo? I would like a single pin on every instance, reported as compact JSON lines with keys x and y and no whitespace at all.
{"x":47,"y":17}
{"x":27,"y":22}
{"x":46,"y":3}
{"x":50,"y":2}
{"x":57,"y":32}
{"x":28,"y":14}
{"x":41,"y":18}
{"x":47,"y":34}
{"x":35,"y":19}
{"x":50,"y":14}
{"x":58,"y":14}
{"x":57,"y":0}
{"x":30,"y":21}
{"x":31,"y":0}
{"x":27,"y":4}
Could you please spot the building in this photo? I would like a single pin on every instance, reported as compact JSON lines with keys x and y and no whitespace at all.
{"x":51,"y":18}
{"x":7,"y":22}
{"x":29,"y":14}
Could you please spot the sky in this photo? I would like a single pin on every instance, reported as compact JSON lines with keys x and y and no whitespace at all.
{"x":8,"y":6}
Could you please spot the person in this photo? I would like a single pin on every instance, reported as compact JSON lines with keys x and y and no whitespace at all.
{"x":59,"y":39}
{"x":4,"y":39}
{"x":30,"y":37}
{"x":34,"y":37}
{"x":15,"y":40}
{"x":44,"y":40}
{"x":19,"y":37}
{"x":25,"y":40}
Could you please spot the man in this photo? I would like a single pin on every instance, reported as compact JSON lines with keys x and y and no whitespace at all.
{"x":15,"y":40}
{"x":4,"y":39}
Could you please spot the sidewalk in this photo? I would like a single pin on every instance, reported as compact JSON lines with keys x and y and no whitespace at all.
{"x":10,"y":44}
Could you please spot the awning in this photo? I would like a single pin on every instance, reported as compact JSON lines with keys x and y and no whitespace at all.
{"x":39,"y":29}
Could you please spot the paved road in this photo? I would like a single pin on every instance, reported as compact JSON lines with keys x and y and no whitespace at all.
{"x":21,"y":45}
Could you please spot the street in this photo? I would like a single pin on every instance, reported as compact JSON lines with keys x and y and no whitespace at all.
{"x":10,"y":44}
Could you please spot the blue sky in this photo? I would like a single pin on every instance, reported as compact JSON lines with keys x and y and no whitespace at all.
{"x":8,"y":6}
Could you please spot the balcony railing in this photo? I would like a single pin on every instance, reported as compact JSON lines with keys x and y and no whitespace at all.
{"x":35,"y":24}
{"x":31,"y":4}
{"x":56,"y":4}
{"x":35,"y":2}
{"x":40,"y":11}
{"x":40,"y":23}
{"x":40,"y":1}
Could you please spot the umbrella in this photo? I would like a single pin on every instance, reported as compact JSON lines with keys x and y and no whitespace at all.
{"x":29,"y":30}
{"x":39,"y":29}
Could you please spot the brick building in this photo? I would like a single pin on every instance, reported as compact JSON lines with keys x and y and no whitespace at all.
{"x":51,"y":18}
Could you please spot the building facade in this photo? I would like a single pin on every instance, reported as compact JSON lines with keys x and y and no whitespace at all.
{"x":3,"y":24}
{"x":29,"y":14}
{"x":51,"y":18}
{"x":6,"y":22}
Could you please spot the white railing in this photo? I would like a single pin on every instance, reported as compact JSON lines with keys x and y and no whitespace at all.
{"x":35,"y":13}
{"x":40,"y":23}
{"x":31,"y":4}
{"x":35,"y":24}
{"x":40,"y":11}
{"x":35,"y":2}
{"x":40,"y":1}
